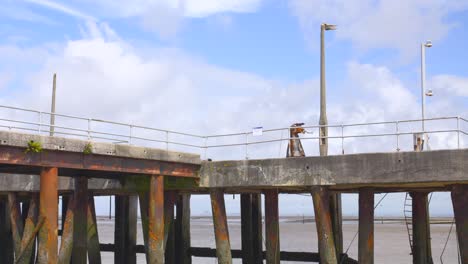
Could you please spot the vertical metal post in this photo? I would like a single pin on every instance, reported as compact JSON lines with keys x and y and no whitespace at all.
{"x":458,"y":132}
{"x":52,"y":108}
{"x":257,"y":228}
{"x":223,"y":246}
{"x":423,"y":81}
{"x":342,"y":139}
{"x":246,"y":145}
{"x":89,"y":129}
{"x":246,"y":228}
{"x":80,"y":230}
{"x":421,"y":229}
{"x":167,"y":141}
{"x":48,"y":210}
{"x":39,"y":129}
{"x":125,"y":229}
{"x":182,"y":229}
{"x":144,"y":210}
{"x":459,"y":201}
{"x":131,"y":135}
{"x":397,"y":136}
{"x":169,"y":231}
{"x":366,"y":226}
{"x":94,"y":251}
{"x":272,"y":227}
{"x":156,"y":220}
{"x":323,"y":221}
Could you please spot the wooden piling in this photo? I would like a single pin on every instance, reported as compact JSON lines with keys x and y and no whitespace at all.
{"x":94,"y":252}
{"x":321,"y":200}
{"x":156,"y":220}
{"x":272,"y":227}
{"x":80,"y":239}
{"x":421,"y":229}
{"x":223,"y":246}
{"x":366,"y":226}
{"x":126,"y":208}
{"x":182,"y":229}
{"x":459,"y":202}
{"x":48,"y":210}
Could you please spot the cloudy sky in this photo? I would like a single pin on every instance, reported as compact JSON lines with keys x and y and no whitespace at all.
{"x":220,"y":66}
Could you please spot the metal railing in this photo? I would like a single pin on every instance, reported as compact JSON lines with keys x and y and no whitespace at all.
{"x":122,"y":133}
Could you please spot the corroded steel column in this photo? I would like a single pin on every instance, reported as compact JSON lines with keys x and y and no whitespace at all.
{"x":257,"y":228}
{"x":80,"y":245}
{"x":246,"y":228}
{"x":66,"y":245}
{"x":169,"y":232}
{"x":421,"y":229}
{"x":16,"y":222}
{"x":156,"y":220}
{"x":144,"y":206}
{"x":223,"y":246}
{"x":272,"y":227}
{"x":366,"y":226}
{"x":126,"y":207}
{"x":321,"y":199}
{"x":48,"y":210}
{"x":94,"y":252}
{"x":6,"y":241}
{"x":460,"y":202}
{"x":182,"y":229}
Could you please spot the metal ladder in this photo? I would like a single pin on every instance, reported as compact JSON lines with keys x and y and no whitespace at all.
{"x":408,"y":213}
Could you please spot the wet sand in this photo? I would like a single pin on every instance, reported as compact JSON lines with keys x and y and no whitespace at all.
{"x":391,"y":239}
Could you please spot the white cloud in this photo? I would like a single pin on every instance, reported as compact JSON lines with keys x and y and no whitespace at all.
{"x":394,"y":24}
{"x":449,"y":84}
{"x":61,"y":8}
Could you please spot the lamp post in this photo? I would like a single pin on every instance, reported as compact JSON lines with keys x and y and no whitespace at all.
{"x":323,"y":95}
{"x":52,"y":107}
{"x":425,"y":45}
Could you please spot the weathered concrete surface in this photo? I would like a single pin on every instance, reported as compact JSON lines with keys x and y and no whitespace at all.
{"x":415,"y":169}
{"x":15,"y":139}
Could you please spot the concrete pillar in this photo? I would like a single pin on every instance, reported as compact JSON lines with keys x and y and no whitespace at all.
{"x":182,"y":229}
{"x":272,"y":227}
{"x":421,"y":229}
{"x":156,"y":220}
{"x":223,"y":246}
{"x":126,"y":208}
{"x":48,"y":210}
{"x":366,"y":226}
{"x":460,"y":201}
{"x":80,"y":239}
{"x":321,"y":199}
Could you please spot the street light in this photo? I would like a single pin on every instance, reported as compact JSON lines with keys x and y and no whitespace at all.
{"x":424,"y":93}
{"x":323,"y":96}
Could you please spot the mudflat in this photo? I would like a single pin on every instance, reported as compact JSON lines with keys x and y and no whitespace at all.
{"x":298,"y":234}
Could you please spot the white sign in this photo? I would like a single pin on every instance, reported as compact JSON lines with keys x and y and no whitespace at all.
{"x":257,"y":131}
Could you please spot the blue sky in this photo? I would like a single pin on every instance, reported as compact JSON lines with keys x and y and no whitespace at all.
{"x":173,"y":63}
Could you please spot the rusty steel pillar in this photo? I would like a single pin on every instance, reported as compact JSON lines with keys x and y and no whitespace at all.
{"x":66,"y":245}
{"x":126,"y":208}
{"x":169,"y":229}
{"x":272,"y":227}
{"x":80,"y":239}
{"x":6,"y":241}
{"x":421,"y":229}
{"x":223,"y":246}
{"x":257,"y":229}
{"x":16,"y":221}
{"x":156,"y":220}
{"x":27,"y":243}
{"x":366,"y":226}
{"x":143,"y":199}
{"x":182,"y":229}
{"x":94,"y":252}
{"x":460,"y":202}
{"x":246,"y":228}
{"x":48,"y":210}
{"x":327,"y":250}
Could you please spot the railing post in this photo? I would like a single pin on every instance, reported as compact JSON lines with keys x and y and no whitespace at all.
{"x":397,"y":137}
{"x":89,"y":128}
{"x":206,"y":147}
{"x":131,"y":134}
{"x":246,"y":145}
{"x":342,"y":139}
{"x":167,"y":140}
{"x":40,"y":122}
{"x":458,"y":132}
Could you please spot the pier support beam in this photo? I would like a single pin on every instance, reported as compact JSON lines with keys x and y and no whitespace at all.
{"x":156,"y":220}
{"x":66,"y":243}
{"x":223,"y":246}
{"x":421,"y":229}
{"x":366,"y":226}
{"x":327,"y":250}
{"x":80,"y":244}
{"x":94,"y":252}
{"x":182,"y":229}
{"x":337,"y":221}
{"x":6,"y":241}
{"x":272,"y":227}
{"x":460,"y":201}
{"x":126,"y":208}
{"x":169,"y":229}
{"x":251,"y":225}
{"x":48,"y":210}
